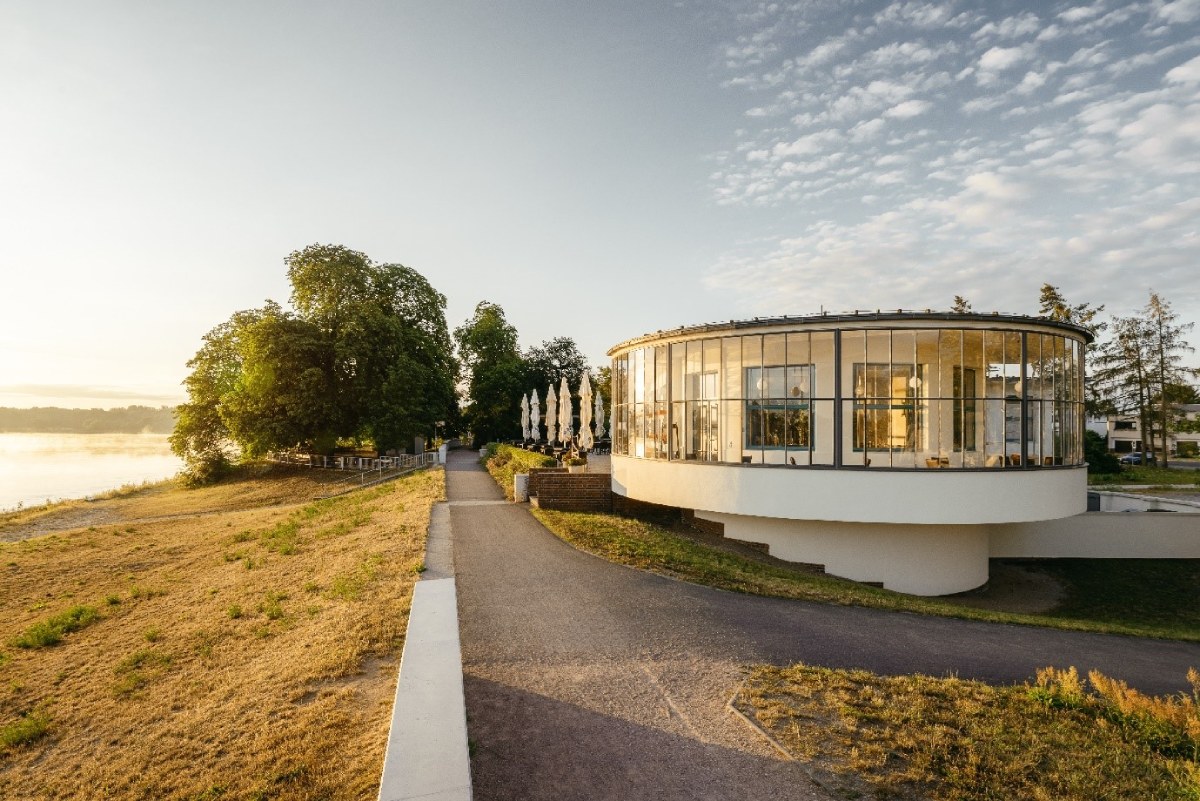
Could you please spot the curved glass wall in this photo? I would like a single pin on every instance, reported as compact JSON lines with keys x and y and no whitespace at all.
{"x":877,"y":397}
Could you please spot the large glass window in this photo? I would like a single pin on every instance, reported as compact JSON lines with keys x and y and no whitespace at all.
{"x":885,"y":408}
{"x":778,"y":415}
{"x":905,"y":398}
{"x":964,"y":408}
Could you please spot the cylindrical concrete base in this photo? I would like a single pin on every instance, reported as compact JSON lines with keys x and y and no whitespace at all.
{"x":919,"y":560}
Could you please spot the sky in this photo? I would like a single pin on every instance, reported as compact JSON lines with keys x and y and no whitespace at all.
{"x":599,"y":170}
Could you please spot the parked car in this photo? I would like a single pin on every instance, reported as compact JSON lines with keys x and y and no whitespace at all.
{"x":1137,"y":457}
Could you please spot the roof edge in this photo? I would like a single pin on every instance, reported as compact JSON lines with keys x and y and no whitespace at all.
{"x":857,"y":316}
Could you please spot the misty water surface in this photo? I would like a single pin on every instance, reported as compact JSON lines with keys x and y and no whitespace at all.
{"x":35,"y":468}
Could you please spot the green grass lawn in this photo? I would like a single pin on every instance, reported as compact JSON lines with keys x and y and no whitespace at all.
{"x":1139,"y":474}
{"x":1160,"y":593}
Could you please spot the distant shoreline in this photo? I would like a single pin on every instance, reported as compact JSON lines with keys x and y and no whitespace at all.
{"x":56,"y":420}
{"x":40,"y":466}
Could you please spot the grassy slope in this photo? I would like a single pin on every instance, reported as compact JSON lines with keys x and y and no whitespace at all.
{"x":247,"y":649}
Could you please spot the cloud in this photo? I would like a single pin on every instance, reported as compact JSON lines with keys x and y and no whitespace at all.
{"x":1165,"y":138}
{"x":908,"y":109}
{"x":1050,"y":33}
{"x":866,"y":130}
{"x":901,"y":54}
{"x":822,"y":53}
{"x":1180,"y":11}
{"x":921,"y":15}
{"x":862,"y":99}
{"x":1051,"y":148}
{"x":1186,"y":73}
{"x":1010,"y":27}
{"x":1001,"y":59}
{"x":998,"y":59}
{"x":807,"y":145}
{"x":1031,"y":83}
{"x":982,"y":104}
{"x":1081,"y":13}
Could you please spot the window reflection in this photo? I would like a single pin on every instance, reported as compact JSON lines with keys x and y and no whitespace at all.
{"x":912,"y":398}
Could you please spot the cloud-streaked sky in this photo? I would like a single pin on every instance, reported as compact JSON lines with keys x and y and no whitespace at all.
{"x":598,"y":169}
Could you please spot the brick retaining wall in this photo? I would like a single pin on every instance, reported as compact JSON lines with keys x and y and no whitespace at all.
{"x":535,"y":474}
{"x":572,"y":492}
{"x":557,"y":489}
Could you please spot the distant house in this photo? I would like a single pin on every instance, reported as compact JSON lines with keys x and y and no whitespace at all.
{"x":1124,"y":433}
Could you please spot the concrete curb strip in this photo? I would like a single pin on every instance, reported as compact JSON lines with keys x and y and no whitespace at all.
{"x":427,"y":748}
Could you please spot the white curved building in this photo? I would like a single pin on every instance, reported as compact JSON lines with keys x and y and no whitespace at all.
{"x":888,"y":447}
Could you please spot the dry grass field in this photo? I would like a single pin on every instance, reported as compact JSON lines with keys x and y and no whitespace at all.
{"x":918,"y":738}
{"x":237,"y":641}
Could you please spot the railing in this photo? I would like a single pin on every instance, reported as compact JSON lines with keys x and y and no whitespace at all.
{"x":367,"y":468}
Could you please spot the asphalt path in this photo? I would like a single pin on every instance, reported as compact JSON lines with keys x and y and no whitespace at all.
{"x":587,"y":679}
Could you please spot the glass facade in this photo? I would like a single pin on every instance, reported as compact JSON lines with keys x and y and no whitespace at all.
{"x":909,"y":397}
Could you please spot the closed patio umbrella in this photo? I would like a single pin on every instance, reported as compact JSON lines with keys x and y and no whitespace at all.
{"x":585,"y":414}
{"x":524,"y":417}
{"x":599,"y":416}
{"x":551,"y":414}
{"x":566,"y":412}
{"x":535,"y":414}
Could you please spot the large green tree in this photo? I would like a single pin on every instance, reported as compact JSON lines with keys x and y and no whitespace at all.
{"x":1140,"y":366}
{"x":495,"y":374}
{"x":1121,"y":379}
{"x":391,"y":363}
{"x":1166,"y":347}
{"x":548,"y":363}
{"x":364,"y":356}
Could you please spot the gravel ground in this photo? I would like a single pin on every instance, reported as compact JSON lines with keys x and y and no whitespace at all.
{"x":78,"y":517}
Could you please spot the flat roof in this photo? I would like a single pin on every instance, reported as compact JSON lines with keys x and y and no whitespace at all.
{"x":841,"y":318}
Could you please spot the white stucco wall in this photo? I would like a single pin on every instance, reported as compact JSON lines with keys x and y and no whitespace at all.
{"x":920,"y":560}
{"x":918,"y":497}
{"x":1131,"y":502}
{"x":1102,"y":535}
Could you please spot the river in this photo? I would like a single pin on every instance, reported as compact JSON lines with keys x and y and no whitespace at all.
{"x":35,"y":468}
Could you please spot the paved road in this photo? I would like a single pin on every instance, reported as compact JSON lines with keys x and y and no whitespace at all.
{"x":591,"y":680}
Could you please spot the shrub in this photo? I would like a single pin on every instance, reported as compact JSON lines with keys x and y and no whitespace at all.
{"x":24,"y":730}
{"x":1168,"y":725}
{"x":1095,"y":451}
{"x":508,"y":461}
{"x":205,"y":469}
{"x":50,"y":632}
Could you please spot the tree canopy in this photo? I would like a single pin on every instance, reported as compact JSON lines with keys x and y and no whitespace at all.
{"x":498,"y":373}
{"x":365,"y":355}
{"x":553,"y":360}
{"x":1053,"y":305}
{"x":487,"y":347}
